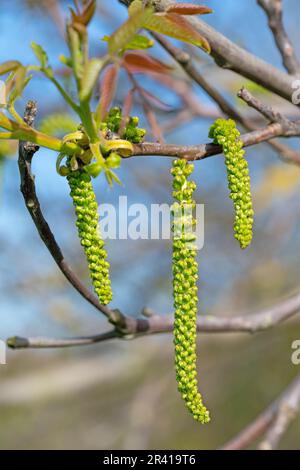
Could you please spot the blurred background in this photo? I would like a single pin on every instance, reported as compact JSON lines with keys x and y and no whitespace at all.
{"x":122,"y":394}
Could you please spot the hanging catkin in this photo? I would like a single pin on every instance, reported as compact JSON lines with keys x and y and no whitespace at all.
{"x":87,"y":222}
{"x":185,"y":275}
{"x":225,"y":133}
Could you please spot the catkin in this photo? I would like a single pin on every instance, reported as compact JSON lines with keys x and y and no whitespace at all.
{"x":85,"y":203}
{"x":225,"y":133}
{"x":185,"y":275}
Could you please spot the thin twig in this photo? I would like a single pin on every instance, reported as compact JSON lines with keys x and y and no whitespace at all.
{"x":230,"y":56}
{"x":152,"y":323}
{"x":18,"y":342}
{"x":273,"y":10}
{"x":264,"y":109}
{"x":185,"y":61}
{"x":289,"y":399}
{"x":201,"y":151}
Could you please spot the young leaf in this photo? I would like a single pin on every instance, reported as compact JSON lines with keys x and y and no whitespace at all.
{"x":140,"y":62}
{"x":135,"y":6}
{"x":108,"y":87}
{"x":176,"y":26}
{"x":9,"y":66}
{"x":188,"y":9}
{"x":40,"y":54}
{"x":84,"y":17}
{"x":90,"y":76}
{"x":126,"y":32}
{"x":139,"y":42}
{"x":75,"y":50}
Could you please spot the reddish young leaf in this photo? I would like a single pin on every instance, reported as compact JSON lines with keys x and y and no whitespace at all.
{"x":140,"y":62}
{"x":188,"y":9}
{"x":108,"y":88}
{"x":84,"y":17}
{"x":178,"y":27}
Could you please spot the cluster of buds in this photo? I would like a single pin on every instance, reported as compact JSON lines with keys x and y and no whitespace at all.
{"x":185,"y":275}
{"x":131,"y":131}
{"x":225,"y":133}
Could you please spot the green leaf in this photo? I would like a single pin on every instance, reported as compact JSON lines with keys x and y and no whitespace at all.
{"x":135,"y":6}
{"x":139,"y":42}
{"x":176,"y":26}
{"x":90,"y":76}
{"x":40,"y":54}
{"x":127,"y":31}
{"x":65,"y":60}
{"x":21,"y":81}
{"x":9,"y":66}
{"x":76,"y":53}
{"x":111,"y":177}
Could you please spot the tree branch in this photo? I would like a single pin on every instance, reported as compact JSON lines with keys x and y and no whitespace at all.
{"x":185,"y":61}
{"x":230,"y":56}
{"x":273,"y":10}
{"x":152,"y":323}
{"x":18,"y":342}
{"x":199,"y":152}
{"x":270,"y":419}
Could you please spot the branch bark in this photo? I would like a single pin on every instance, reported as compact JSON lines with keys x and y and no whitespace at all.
{"x":273,"y":10}
{"x":269,"y":419}
{"x":152,"y":323}
{"x":184,"y":60}
{"x":230,"y":56}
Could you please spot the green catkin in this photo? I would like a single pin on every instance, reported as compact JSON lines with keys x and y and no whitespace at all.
{"x":185,"y":274}
{"x":225,"y":133}
{"x":87,"y":223}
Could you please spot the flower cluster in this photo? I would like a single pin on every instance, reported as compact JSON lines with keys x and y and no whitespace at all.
{"x":131,"y":132}
{"x":225,"y":133}
{"x":185,"y":275}
{"x":85,"y":203}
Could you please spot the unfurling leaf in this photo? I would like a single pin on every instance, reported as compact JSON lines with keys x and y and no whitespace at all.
{"x":176,"y":26}
{"x":139,"y":42}
{"x":140,"y":62}
{"x":9,"y":66}
{"x":127,"y":31}
{"x":188,"y":9}
{"x":73,"y":40}
{"x":108,"y":88}
{"x":84,"y":17}
{"x":90,"y":76}
{"x":40,"y":54}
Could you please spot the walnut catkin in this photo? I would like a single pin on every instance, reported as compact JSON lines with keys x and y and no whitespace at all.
{"x":185,"y":275}
{"x":225,"y":133}
{"x":87,"y":223}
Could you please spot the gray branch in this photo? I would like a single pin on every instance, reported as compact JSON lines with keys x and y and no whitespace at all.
{"x":274,"y":420}
{"x":273,"y":10}
{"x":230,"y":56}
{"x":152,"y":323}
